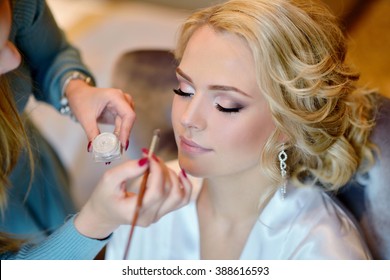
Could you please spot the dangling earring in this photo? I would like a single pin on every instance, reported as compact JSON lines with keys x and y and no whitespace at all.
{"x":282,"y":160}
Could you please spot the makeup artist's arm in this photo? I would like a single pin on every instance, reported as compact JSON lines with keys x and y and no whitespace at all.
{"x":110,"y":205}
{"x":50,"y":58}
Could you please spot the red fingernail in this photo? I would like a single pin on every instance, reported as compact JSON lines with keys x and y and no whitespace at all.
{"x":145,"y":151}
{"x":184,"y":173}
{"x":142,"y":161}
{"x":89,"y":147}
{"x":127,"y":145}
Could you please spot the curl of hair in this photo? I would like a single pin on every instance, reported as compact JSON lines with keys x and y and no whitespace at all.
{"x":299,"y":53}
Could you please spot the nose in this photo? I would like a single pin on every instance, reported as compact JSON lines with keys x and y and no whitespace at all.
{"x":194,"y":116}
{"x":10,"y":58}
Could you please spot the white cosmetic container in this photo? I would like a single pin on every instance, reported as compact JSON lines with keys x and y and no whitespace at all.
{"x":106,"y":147}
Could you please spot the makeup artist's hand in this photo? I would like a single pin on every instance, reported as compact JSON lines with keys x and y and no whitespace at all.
{"x":107,"y":105}
{"x":111,"y":205}
{"x":175,"y":188}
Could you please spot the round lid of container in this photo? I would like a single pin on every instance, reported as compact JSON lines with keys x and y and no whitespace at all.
{"x":105,"y":143}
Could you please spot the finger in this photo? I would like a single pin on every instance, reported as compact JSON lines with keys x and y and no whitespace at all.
{"x":156,"y":161}
{"x":175,"y":197}
{"x":186,"y":185}
{"x":91,"y":129}
{"x":125,"y":171}
{"x":156,"y":183}
{"x":156,"y":193}
{"x":117,"y":128}
{"x":125,"y":111}
{"x":125,"y":129}
{"x":145,"y":152}
{"x":130,"y":100}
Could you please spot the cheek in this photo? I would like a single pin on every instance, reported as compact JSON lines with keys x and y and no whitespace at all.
{"x":258,"y":133}
{"x":176,"y":113}
{"x":247,"y":139}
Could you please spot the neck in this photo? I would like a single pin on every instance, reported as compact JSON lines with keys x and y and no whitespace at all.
{"x":236,"y":198}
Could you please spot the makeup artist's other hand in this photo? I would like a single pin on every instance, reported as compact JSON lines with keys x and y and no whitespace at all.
{"x":111,"y":205}
{"x":91,"y":105}
{"x":163,"y":182}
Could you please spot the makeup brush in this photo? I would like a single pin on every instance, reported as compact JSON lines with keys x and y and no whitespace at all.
{"x":152,"y":148}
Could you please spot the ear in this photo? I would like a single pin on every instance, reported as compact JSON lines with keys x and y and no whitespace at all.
{"x":282,"y":137}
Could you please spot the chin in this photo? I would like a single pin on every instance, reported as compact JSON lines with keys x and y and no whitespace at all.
{"x":193,"y":168}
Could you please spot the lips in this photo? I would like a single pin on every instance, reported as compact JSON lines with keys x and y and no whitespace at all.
{"x":191,"y":147}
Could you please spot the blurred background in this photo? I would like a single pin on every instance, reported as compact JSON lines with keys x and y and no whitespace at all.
{"x":105,"y":29}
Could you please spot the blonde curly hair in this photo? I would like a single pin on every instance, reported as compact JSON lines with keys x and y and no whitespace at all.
{"x":299,"y":52}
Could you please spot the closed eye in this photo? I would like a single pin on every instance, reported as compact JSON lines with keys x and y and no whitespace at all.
{"x":228,"y":110}
{"x":178,"y":91}
{"x":217,"y":106}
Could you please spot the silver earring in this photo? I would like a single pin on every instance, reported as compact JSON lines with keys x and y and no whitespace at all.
{"x":282,"y":160}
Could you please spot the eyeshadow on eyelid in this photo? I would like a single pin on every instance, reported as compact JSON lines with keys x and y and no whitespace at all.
{"x":227,"y":101}
{"x":229,"y":104}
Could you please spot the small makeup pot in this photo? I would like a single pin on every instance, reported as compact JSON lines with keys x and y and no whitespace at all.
{"x":106,"y":147}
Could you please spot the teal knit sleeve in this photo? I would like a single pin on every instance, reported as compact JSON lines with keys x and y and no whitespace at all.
{"x":45,"y":49}
{"x":64,"y":244}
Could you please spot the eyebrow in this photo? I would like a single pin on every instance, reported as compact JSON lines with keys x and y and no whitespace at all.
{"x":184,"y":75}
{"x":213,"y":87}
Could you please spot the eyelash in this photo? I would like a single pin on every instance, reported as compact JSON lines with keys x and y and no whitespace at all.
{"x":178,"y":91}
{"x":217,"y":106}
{"x":227,"y":110}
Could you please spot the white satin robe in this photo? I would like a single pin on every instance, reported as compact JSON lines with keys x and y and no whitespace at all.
{"x":307,"y":224}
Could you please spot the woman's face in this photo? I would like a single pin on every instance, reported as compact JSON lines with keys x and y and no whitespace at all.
{"x":9,"y":55}
{"x":220,"y":118}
